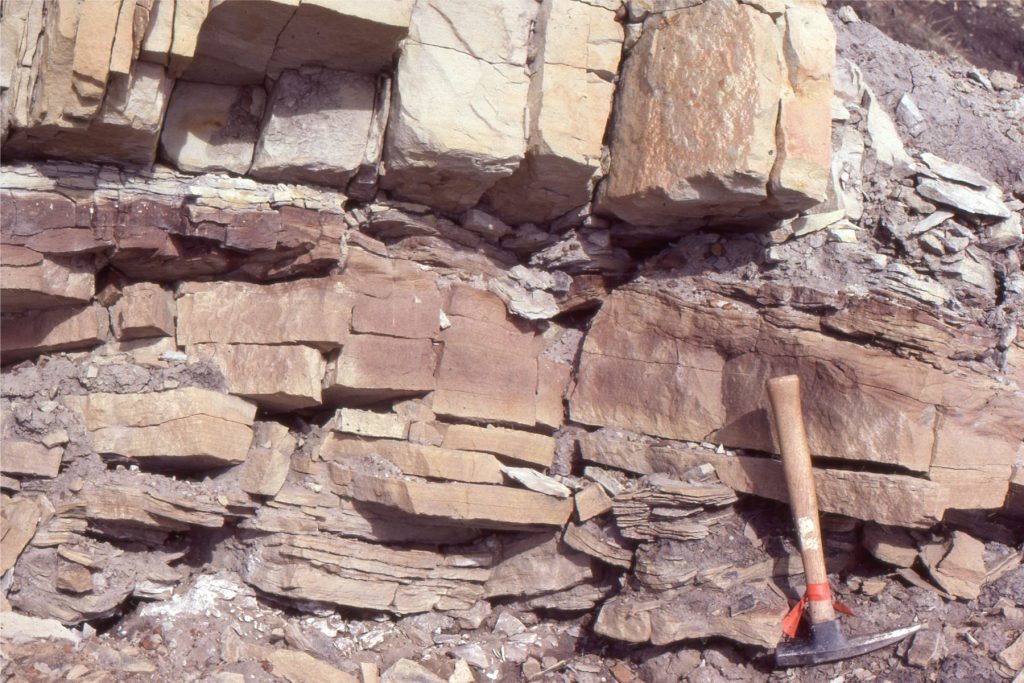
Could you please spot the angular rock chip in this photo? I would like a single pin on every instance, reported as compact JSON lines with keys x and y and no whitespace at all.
{"x":962,"y":198}
{"x":958,"y":566}
{"x":591,"y":501}
{"x":20,"y":516}
{"x":298,"y":667}
{"x":536,"y":481}
{"x":188,"y":427}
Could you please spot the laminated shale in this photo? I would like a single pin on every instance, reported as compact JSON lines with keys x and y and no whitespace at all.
{"x":427,"y":340}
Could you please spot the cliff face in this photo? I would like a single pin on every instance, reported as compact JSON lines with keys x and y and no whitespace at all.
{"x":424,"y":307}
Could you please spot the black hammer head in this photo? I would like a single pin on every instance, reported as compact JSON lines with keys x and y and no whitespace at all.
{"x":828,"y":644}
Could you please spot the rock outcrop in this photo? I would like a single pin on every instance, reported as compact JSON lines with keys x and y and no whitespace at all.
{"x":429,"y":315}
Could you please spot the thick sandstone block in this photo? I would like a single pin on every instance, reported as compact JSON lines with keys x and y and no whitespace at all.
{"x":237,"y":39}
{"x":374,"y":367}
{"x":357,"y":36}
{"x":57,"y":329}
{"x":316,"y":127}
{"x":570,"y":99}
{"x":277,"y":378}
{"x":488,"y":507}
{"x":416,"y":459}
{"x":30,"y":280}
{"x":314,"y":312}
{"x":211,"y":128}
{"x":126,"y":128}
{"x":188,"y":427}
{"x":458,"y":114}
{"x":695,"y":115}
{"x":145,"y":309}
{"x":536,"y":449}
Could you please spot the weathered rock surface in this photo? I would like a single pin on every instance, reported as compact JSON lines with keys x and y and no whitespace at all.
{"x":31,"y":280}
{"x":887,"y":499}
{"x":352,"y":36}
{"x":182,"y":427}
{"x":316,"y":127}
{"x":59,"y":329}
{"x":210,"y":128}
{"x":536,"y":449}
{"x":140,"y":220}
{"x":416,"y":459}
{"x":374,"y":367}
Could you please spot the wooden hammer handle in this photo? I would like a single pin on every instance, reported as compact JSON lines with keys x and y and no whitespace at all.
{"x":784,"y":393}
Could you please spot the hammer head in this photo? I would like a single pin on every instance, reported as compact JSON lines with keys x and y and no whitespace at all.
{"x":828,"y":644}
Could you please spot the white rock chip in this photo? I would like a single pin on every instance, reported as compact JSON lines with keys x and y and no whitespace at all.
{"x":962,"y":198}
{"x":535,"y":481}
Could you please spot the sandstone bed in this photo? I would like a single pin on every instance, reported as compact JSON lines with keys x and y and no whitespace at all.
{"x":427,"y":340}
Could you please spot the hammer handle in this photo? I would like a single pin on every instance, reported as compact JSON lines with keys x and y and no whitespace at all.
{"x":784,"y":393}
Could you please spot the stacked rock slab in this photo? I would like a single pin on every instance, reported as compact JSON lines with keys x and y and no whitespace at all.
{"x":707,"y":364}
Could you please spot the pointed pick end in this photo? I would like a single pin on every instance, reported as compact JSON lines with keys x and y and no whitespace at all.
{"x":805,"y":653}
